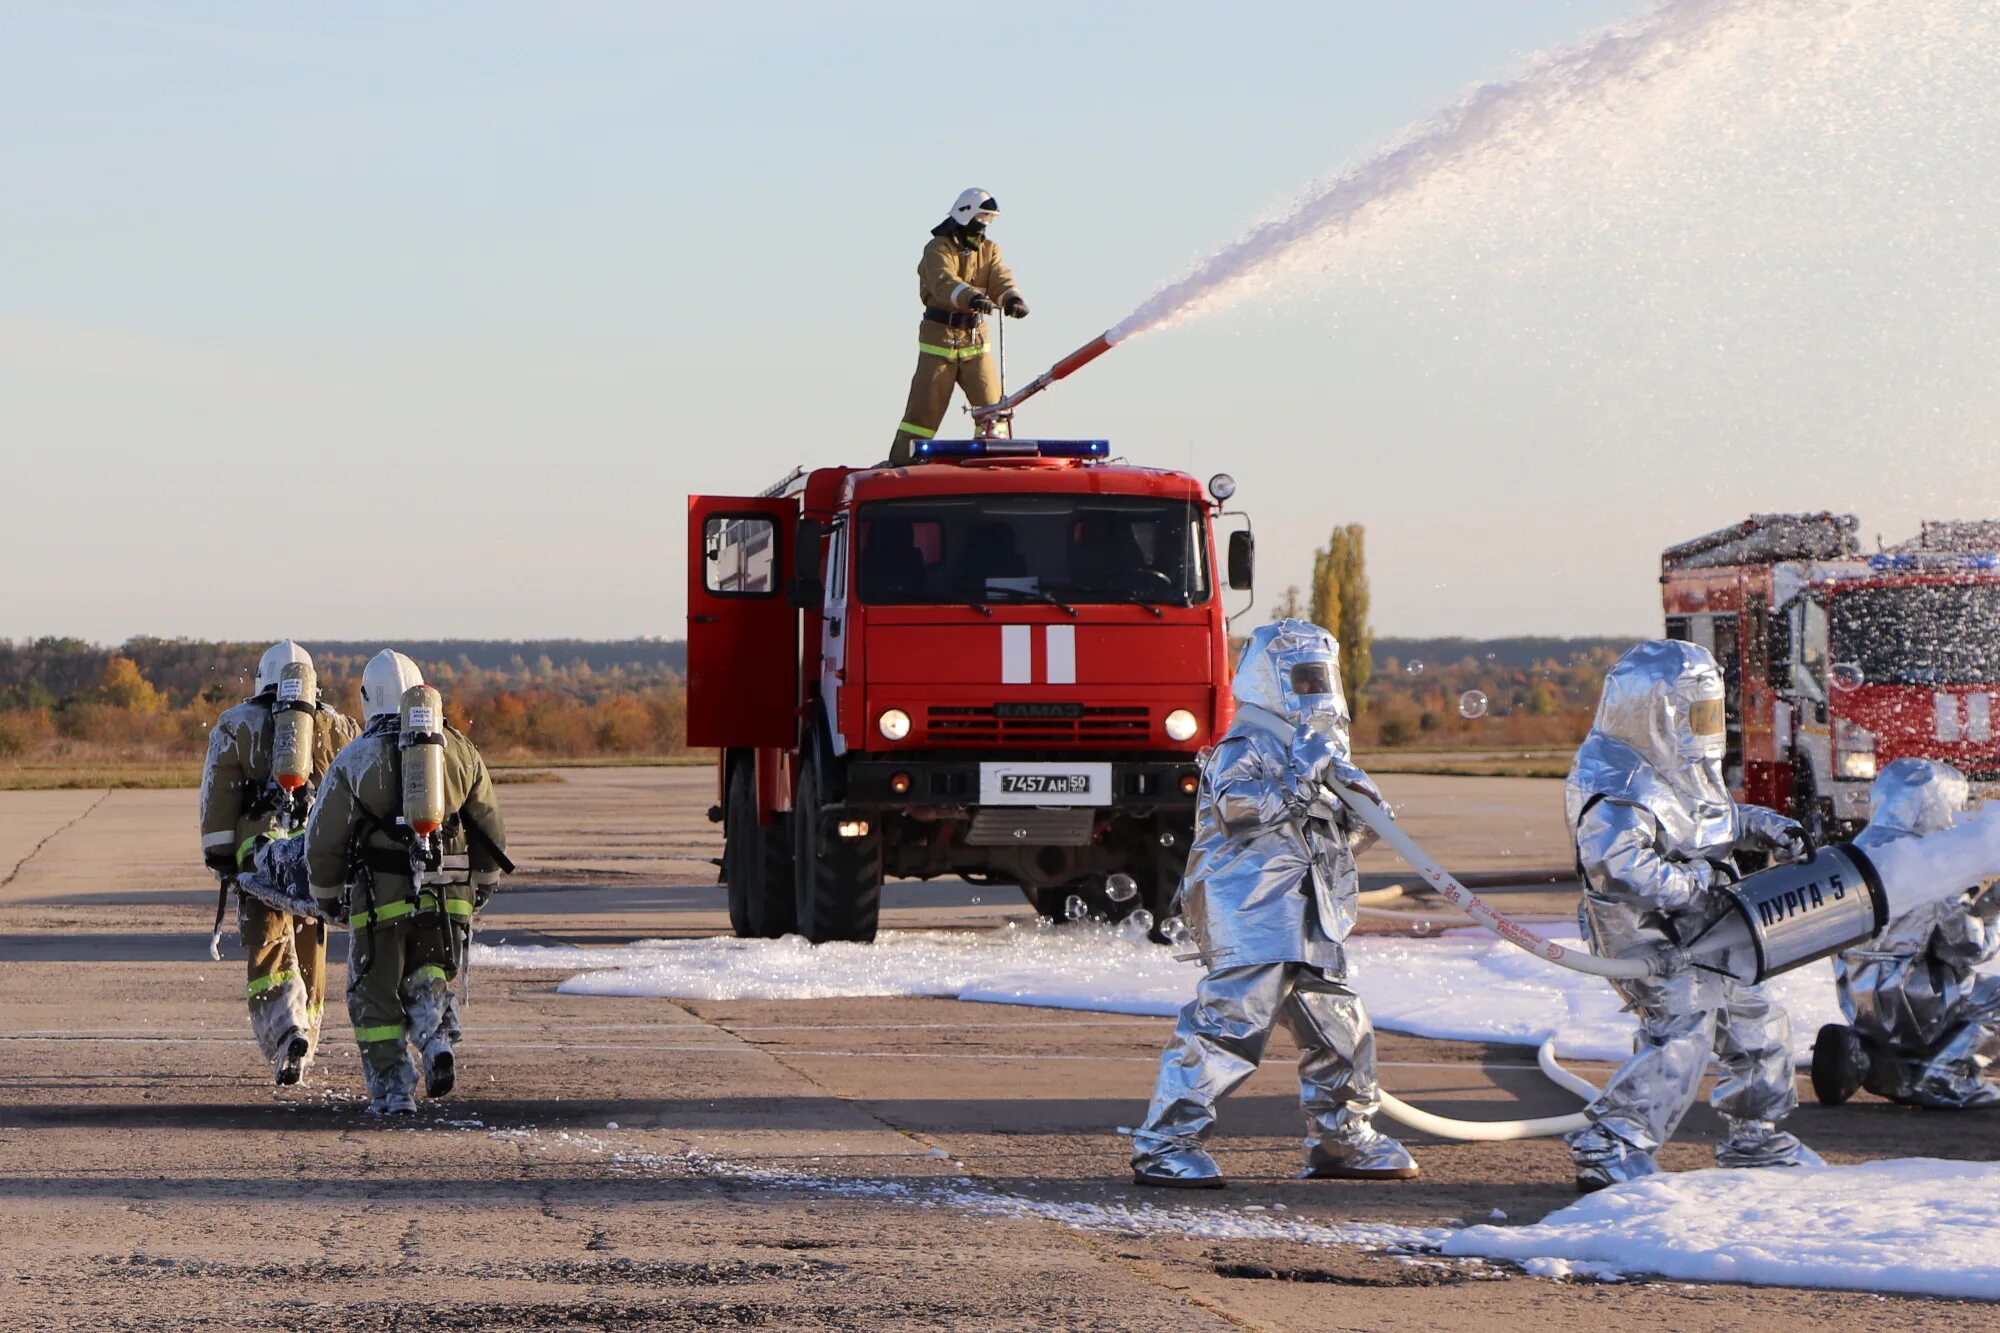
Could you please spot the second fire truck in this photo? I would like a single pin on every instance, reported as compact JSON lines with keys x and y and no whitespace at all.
{"x":1836,"y":661}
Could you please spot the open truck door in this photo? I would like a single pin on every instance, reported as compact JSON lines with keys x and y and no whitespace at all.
{"x":743,"y":630}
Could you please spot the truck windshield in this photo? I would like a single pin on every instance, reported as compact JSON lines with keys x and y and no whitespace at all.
{"x":996,"y":548}
{"x":1923,"y":634}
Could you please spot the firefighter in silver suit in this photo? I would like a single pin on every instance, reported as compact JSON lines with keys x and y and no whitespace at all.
{"x":1923,"y":1026}
{"x":1656,"y":834}
{"x":1269,"y":895}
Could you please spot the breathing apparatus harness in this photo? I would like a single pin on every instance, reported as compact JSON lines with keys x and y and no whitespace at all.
{"x":285,"y":794}
{"x":422,"y":830}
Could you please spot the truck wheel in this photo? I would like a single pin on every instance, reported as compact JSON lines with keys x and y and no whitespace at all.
{"x":839,"y":880}
{"x":756,"y":863}
{"x":1052,"y":901}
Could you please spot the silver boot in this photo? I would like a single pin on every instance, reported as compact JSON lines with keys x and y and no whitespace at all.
{"x":1603,"y":1159}
{"x":1370,"y":1155}
{"x":1179,"y":1164}
{"x":1759,"y":1143}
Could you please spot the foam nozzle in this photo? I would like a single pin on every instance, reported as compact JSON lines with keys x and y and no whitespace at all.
{"x":1841,"y":897}
{"x":291,"y":781}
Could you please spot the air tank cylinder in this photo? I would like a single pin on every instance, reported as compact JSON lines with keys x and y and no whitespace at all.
{"x":420,"y":735}
{"x":292,"y":718}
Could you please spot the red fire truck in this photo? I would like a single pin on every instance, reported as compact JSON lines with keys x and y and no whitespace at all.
{"x":1000,"y":663}
{"x":1836,"y":662}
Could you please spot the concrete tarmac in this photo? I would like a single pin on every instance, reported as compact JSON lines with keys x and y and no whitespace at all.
{"x":650,"y":1164}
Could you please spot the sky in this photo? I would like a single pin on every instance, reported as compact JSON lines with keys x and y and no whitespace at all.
{"x":386,"y":320}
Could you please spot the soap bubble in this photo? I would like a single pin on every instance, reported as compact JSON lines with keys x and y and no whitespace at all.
{"x":1846,"y":676}
{"x":1141,"y":921}
{"x":1176,"y":930}
{"x":1121,"y":888}
{"x":1075,"y":908}
{"x":1421,"y":929}
{"x":1415,"y":668}
{"x":1472,"y":704}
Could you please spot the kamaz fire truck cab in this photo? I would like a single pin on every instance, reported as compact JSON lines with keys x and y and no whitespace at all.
{"x":1836,"y":662}
{"x":1000,"y":663}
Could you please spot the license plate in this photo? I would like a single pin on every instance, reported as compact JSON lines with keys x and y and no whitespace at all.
{"x":1045,"y":784}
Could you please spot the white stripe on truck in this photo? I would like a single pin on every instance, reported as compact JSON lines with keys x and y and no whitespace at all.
{"x":1017,"y":655}
{"x":1062,"y":654}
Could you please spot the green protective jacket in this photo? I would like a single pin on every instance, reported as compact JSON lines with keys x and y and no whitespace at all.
{"x":947,"y":276}
{"x":354,"y":839}
{"x":238,"y":799}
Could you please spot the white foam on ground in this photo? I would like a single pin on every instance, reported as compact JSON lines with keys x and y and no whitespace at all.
{"x":1466,"y":985}
{"x":1915,"y":1226}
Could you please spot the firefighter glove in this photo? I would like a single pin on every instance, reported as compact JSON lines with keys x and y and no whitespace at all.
{"x":1014,"y":308}
{"x":222,"y":860}
{"x":979,"y":305}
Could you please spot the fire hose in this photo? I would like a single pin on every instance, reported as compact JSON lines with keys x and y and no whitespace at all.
{"x":1490,"y":1131}
{"x":1783,"y":917}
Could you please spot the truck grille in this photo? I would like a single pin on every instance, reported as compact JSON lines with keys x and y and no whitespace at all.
{"x":977,"y":724}
{"x":999,"y":826}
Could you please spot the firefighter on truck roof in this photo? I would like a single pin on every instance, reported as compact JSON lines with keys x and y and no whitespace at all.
{"x":960,"y":279}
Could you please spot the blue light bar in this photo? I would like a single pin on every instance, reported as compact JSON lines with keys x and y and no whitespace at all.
{"x":939,"y":449}
{"x":1922,"y":561}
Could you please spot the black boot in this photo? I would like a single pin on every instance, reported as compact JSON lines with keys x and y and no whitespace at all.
{"x":441,"y":1075}
{"x":1839,"y":1063}
{"x":292,"y":1067}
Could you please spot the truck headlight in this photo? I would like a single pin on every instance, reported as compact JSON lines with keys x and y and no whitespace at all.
{"x":1857,"y":766}
{"x":895,"y":724}
{"x":1853,"y":752}
{"x":1181,"y":725}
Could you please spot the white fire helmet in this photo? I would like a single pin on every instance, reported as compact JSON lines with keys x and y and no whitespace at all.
{"x":974,"y":205}
{"x":275,"y":660}
{"x":383,"y":681}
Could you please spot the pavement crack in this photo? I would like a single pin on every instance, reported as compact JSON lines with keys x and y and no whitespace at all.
{"x":35,"y":851}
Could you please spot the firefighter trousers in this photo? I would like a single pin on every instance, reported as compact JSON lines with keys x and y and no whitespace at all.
{"x":287,"y":974}
{"x":946,"y":358}
{"x":399,"y":977}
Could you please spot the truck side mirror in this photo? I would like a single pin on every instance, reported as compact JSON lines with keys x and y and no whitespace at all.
{"x":1242,"y":559}
{"x":808,"y":590}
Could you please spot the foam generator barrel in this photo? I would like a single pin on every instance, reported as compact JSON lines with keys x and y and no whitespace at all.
{"x":1793,"y":914}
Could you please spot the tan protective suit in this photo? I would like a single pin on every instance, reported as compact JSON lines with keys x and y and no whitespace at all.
{"x":947,"y":277}
{"x":239,"y":802}
{"x":408,"y":940}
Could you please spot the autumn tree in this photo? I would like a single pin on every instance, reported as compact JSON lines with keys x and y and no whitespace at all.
{"x":123,"y":685}
{"x":1340,"y":604}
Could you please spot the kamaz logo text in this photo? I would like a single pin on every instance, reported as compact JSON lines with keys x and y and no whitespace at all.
{"x":1807,"y":897}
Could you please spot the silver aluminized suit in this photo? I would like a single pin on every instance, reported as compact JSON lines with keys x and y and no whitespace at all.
{"x":1655,"y":830}
{"x":1930,"y":1023}
{"x":1269,"y":894}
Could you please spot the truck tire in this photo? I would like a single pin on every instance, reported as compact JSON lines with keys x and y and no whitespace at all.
{"x":838,"y":880}
{"x":756,"y":863}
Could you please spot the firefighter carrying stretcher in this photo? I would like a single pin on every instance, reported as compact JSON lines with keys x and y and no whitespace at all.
{"x":960,"y":279}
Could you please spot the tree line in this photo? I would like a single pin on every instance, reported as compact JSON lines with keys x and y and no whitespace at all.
{"x":152,"y":699}
{"x":1446,"y":693}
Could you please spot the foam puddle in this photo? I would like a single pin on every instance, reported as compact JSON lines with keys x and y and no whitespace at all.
{"x":1916,"y":1226}
{"x":1465,"y":985}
